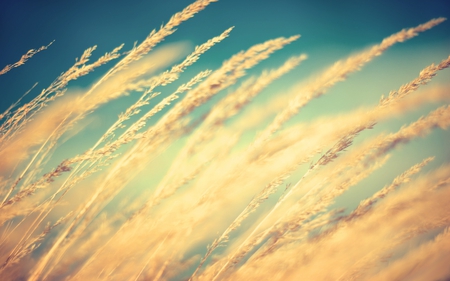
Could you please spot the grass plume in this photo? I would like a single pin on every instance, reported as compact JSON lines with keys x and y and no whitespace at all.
{"x":192,"y":180}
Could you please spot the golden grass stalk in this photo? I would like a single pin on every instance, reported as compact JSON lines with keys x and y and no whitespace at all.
{"x":301,"y":58}
{"x":26,"y":247}
{"x":367,"y":154}
{"x":150,"y":258}
{"x":160,"y":80}
{"x":423,"y":188}
{"x":26,"y":112}
{"x":426,"y":262}
{"x":128,"y":136}
{"x":156,"y":37}
{"x":225,"y":76}
{"x":380,"y":146}
{"x":23,"y":59}
{"x":230,"y":71}
{"x":51,"y":175}
{"x":131,"y":133}
{"x":137,"y":218}
{"x":366,"y":205}
{"x":147,"y":238}
{"x":379,"y":114}
{"x":371,"y":114}
{"x":6,"y":113}
{"x":218,"y":80}
{"x":170,"y":75}
{"x":338,"y":72}
{"x":133,"y":55}
{"x":84,"y":245}
{"x":223,"y":110}
{"x":257,"y":200}
{"x":314,"y":204}
{"x":123,"y":139}
{"x":363,"y":244}
{"x":234,"y":102}
{"x":252,"y":241}
{"x":423,"y":78}
{"x":429,"y":221}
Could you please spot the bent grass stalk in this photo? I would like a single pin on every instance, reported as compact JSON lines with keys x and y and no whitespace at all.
{"x":24,"y":58}
{"x":338,"y":72}
{"x":250,"y":57}
{"x":424,"y":77}
{"x":224,"y":172}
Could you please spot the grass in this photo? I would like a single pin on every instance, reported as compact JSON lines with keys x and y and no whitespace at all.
{"x":175,"y":189}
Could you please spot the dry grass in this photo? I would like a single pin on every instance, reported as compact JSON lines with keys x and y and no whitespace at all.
{"x":220,"y":206}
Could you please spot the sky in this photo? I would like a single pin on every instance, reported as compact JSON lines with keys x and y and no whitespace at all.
{"x":328,"y":28}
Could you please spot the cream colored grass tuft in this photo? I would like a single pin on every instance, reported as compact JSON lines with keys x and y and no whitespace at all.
{"x":175,"y":189}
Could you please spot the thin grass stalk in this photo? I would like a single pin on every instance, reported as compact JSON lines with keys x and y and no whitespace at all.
{"x":423,"y":78}
{"x":24,"y":58}
{"x":338,"y":72}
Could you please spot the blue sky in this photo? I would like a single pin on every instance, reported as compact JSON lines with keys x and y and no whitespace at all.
{"x":330,"y":30}
{"x":77,"y":25}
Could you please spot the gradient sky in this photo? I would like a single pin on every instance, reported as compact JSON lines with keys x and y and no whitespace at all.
{"x":336,"y":26}
{"x":330,"y":30}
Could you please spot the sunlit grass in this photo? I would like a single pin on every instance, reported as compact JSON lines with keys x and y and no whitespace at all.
{"x":208,"y":177}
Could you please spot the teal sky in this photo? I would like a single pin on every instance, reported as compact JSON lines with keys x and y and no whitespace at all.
{"x":339,"y":27}
{"x":330,"y":30}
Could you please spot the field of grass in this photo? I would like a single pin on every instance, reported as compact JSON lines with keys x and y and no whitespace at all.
{"x":167,"y":166}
